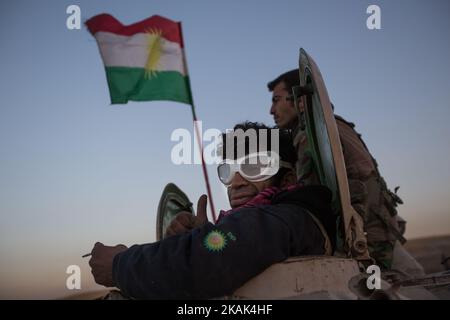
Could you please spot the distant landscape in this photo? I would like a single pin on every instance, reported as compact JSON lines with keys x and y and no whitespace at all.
{"x":430,"y":252}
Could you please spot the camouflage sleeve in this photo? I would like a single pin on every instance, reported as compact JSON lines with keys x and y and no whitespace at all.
{"x":367,"y":197}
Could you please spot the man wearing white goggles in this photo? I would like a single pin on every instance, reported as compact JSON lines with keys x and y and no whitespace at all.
{"x":245,"y":171}
{"x":271,"y":219}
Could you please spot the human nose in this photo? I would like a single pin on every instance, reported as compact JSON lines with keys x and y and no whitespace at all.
{"x":272,"y":109}
{"x":237,"y":181}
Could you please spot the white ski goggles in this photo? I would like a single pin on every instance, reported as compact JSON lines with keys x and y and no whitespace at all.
{"x":254,"y":167}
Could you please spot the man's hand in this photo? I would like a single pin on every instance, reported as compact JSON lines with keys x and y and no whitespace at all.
{"x":185,"y":221}
{"x":101,"y":262}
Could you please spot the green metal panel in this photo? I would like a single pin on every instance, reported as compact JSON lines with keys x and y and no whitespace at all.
{"x":172,"y":201}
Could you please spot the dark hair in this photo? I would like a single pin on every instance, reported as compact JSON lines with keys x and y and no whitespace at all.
{"x":290,"y":79}
{"x":286,"y":149}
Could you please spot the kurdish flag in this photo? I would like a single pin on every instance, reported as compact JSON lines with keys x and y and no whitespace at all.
{"x":143,"y":61}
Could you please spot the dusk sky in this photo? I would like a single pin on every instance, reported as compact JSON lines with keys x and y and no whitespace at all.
{"x":75,"y":170}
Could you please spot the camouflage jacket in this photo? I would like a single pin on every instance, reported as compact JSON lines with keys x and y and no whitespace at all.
{"x":370,"y":196}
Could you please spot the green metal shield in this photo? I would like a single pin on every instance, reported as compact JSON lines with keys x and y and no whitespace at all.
{"x":172,"y":201}
{"x":326,"y":152}
{"x":318,"y":131}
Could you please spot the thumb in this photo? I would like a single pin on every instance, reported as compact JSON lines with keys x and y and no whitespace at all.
{"x":98,"y":244}
{"x":202,"y":218}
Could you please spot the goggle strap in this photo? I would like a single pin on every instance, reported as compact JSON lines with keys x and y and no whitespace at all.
{"x":284,"y":164}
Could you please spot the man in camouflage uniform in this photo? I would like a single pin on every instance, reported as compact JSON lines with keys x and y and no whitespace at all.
{"x":370,"y":196}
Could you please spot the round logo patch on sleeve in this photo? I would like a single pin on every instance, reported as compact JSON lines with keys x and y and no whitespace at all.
{"x":215,"y":241}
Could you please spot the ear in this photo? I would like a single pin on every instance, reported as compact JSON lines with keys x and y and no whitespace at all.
{"x":289,"y":178}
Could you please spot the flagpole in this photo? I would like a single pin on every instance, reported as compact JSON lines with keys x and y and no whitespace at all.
{"x":205,"y":172}
{"x":198,"y":134}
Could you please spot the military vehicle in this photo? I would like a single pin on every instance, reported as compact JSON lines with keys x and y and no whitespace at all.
{"x":350,"y":273}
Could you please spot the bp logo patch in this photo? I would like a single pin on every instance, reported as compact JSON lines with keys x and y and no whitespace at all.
{"x":215,"y":241}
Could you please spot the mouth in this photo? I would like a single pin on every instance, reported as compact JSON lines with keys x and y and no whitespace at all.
{"x":276,"y":119}
{"x":240,"y":199}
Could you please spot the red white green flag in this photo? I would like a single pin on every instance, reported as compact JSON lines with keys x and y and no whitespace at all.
{"x":143,"y":61}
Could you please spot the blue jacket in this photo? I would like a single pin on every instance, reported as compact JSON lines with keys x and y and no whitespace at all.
{"x":215,"y":260}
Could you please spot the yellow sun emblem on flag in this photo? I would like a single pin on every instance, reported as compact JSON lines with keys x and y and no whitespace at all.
{"x":215,"y":241}
{"x":154,"y":48}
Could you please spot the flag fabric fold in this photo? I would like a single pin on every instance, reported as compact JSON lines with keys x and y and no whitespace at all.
{"x":143,"y":61}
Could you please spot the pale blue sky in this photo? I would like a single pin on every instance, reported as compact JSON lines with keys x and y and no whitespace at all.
{"x":75,"y":170}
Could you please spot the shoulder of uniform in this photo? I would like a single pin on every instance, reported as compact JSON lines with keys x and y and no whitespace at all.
{"x":351,"y":124}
